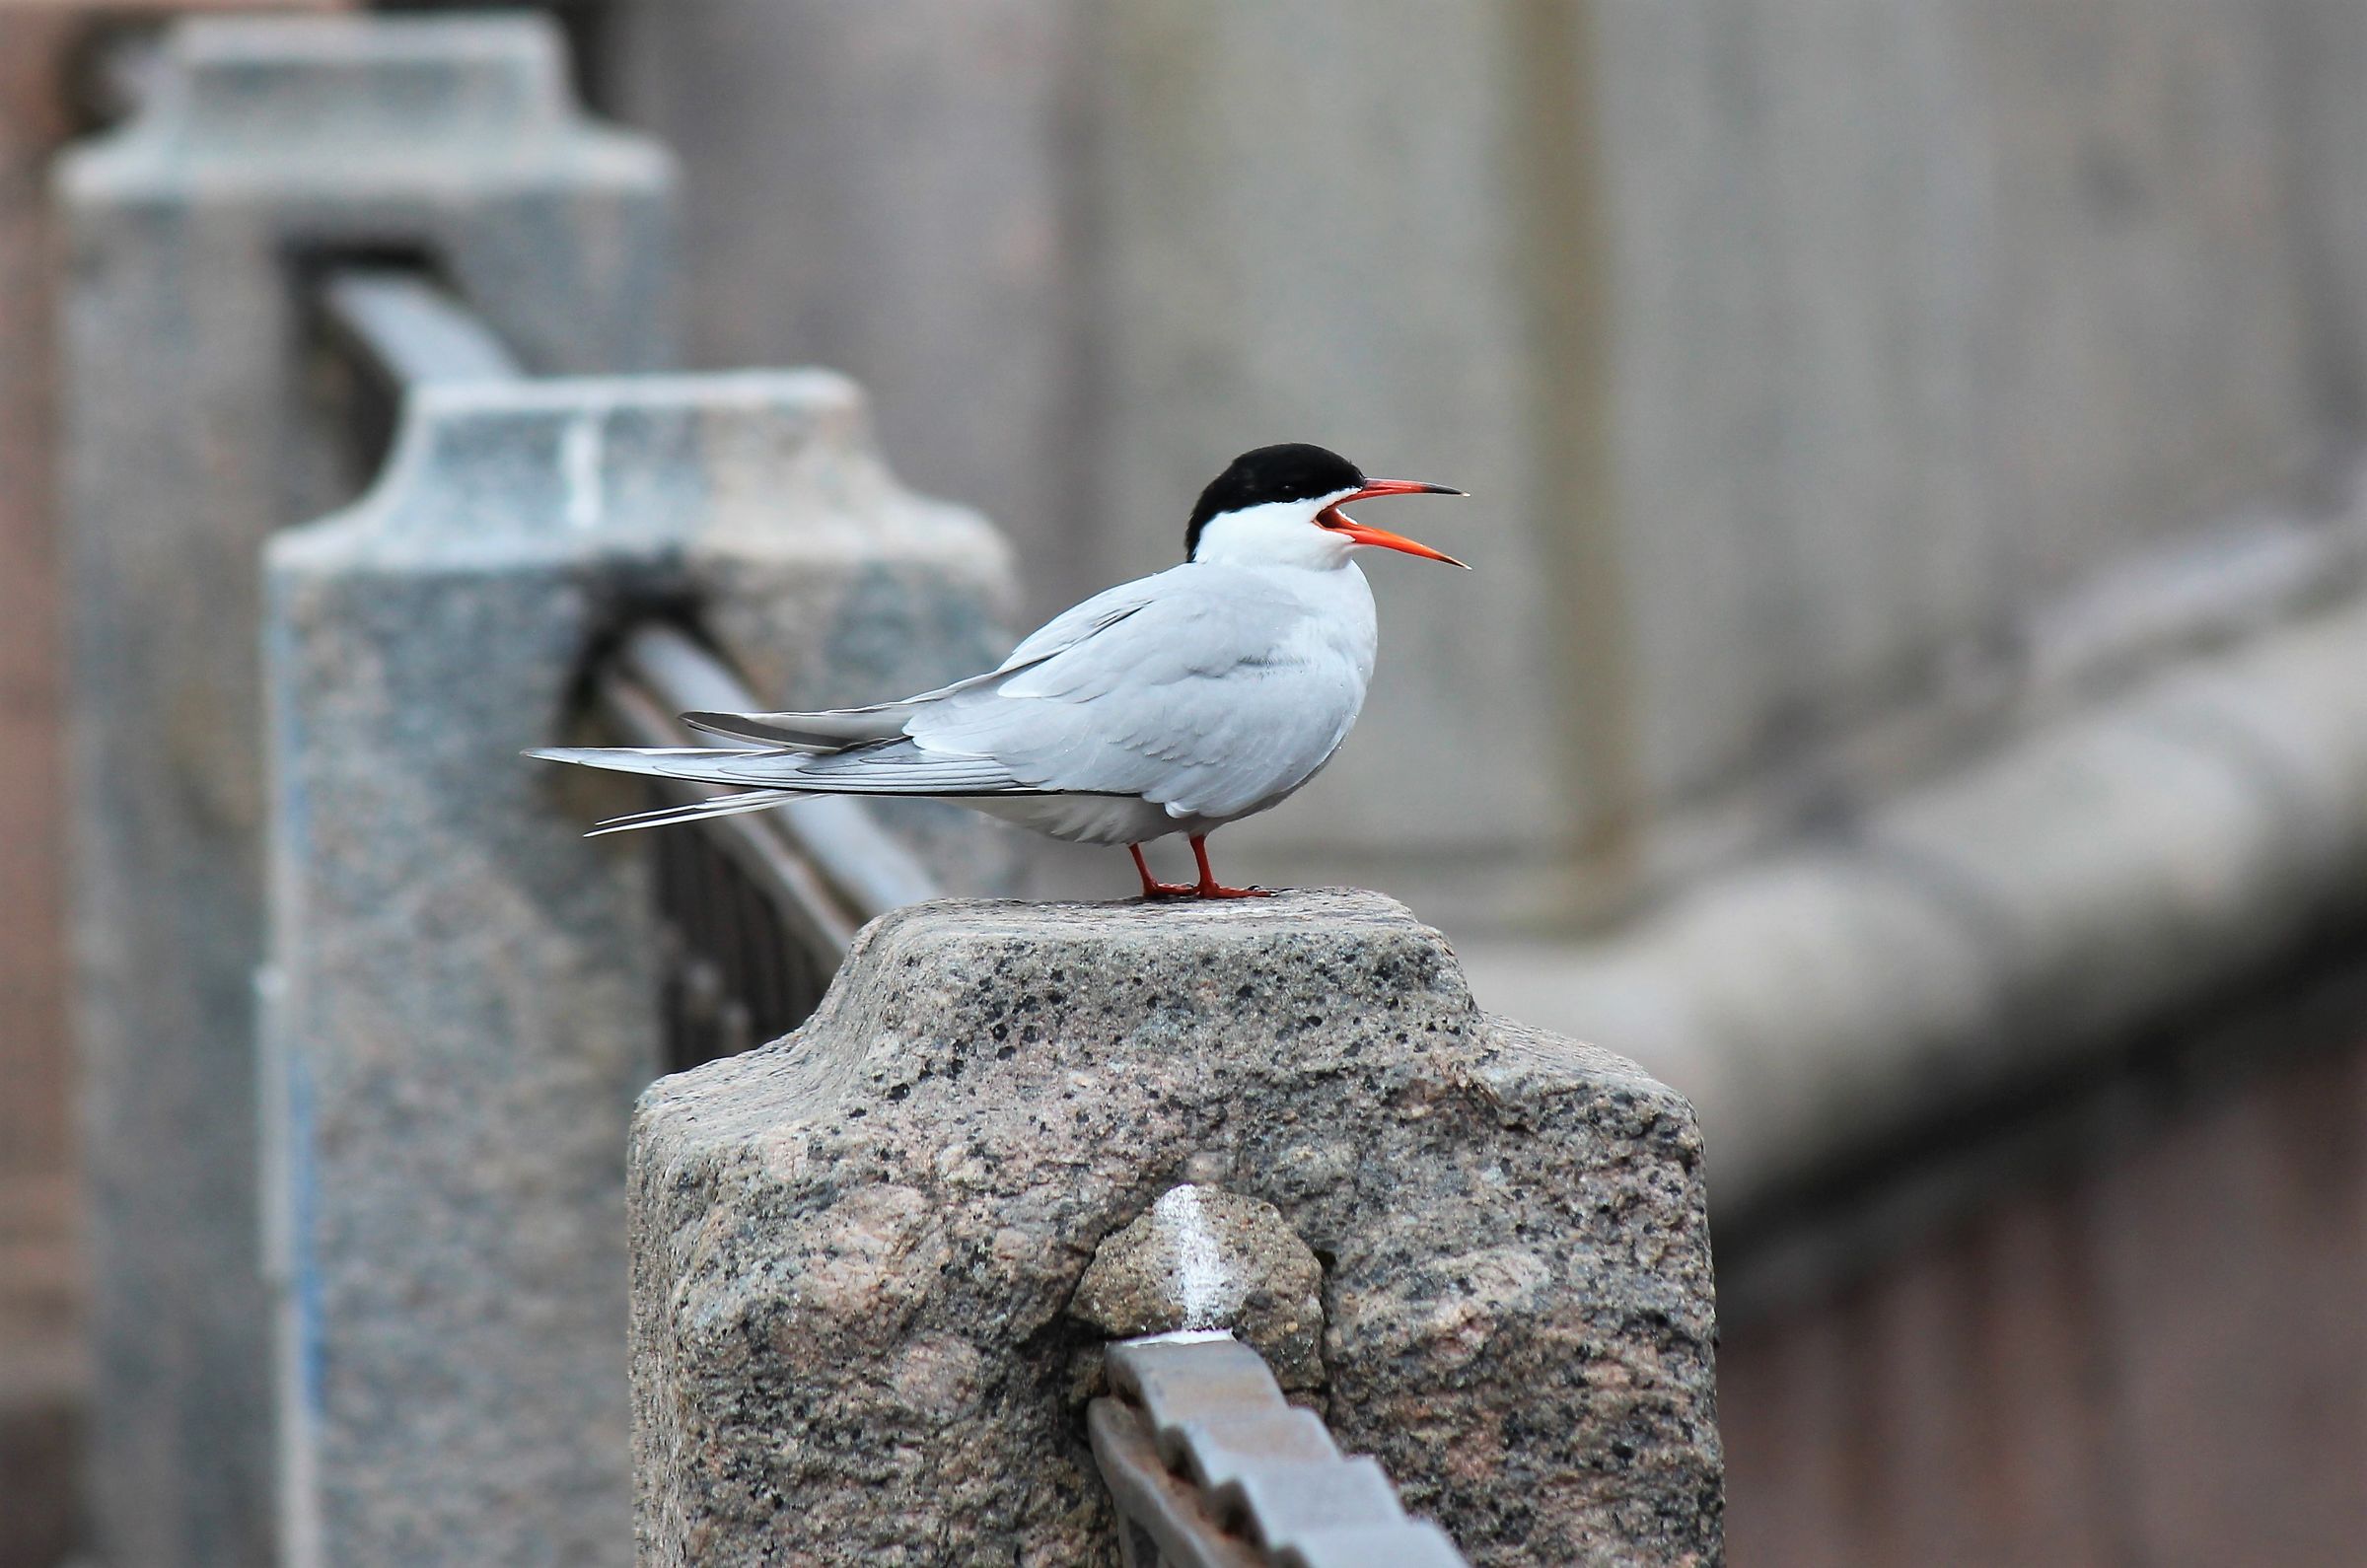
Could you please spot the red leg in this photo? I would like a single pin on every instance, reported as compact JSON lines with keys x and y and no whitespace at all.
{"x":1209,"y":887}
{"x":1152,"y":888}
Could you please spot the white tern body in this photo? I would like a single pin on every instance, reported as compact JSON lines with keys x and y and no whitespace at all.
{"x":1172,"y":704}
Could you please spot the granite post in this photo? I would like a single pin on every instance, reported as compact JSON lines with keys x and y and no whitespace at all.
{"x":464,"y":989}
{"x":857,"y":1253}
{"x":265,"y":147}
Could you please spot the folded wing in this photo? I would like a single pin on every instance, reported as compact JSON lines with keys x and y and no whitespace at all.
{"x":1215,"y":693}
{"x":1200,"y":689}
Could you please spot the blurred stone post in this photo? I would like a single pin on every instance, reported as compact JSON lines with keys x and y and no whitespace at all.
{"x":466,"y":988}
{"x":858,"y":1252}
{"x":41,"y":1376}
{"x":264,"y":146}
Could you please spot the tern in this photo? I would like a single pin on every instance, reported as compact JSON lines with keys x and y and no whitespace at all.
{"x":1172,"y":704}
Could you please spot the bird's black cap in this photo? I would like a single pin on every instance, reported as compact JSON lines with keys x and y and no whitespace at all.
{"x":1292,"y":472}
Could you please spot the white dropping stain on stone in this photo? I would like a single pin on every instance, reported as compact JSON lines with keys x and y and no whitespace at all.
{"x":1201,"y":1274}
{"x":579,"y":469}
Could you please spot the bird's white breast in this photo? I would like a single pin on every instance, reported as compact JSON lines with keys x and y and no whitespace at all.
{"x":1283,"y":690}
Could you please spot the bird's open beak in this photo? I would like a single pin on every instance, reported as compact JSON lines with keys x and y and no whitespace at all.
{"x":1340,"y":523}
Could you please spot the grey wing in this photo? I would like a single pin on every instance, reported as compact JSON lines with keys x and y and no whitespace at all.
{"x":1089,"y":619}
{"x":1203,"y":691}
{"x":880,"y":721}
{"x":1208,"y":696}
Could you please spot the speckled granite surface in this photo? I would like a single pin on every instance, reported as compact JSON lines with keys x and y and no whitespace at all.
{"x":854,"y":1251}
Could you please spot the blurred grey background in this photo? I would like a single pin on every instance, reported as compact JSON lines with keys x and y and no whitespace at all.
{"x":1912,"y":694}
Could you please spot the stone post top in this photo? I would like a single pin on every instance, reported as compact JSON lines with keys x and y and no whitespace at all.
{"x":1336,"y":916}
{"x":779,"y":460}
{"x":1315,"y":930}
{"x":1313,"y":1003}
{"x":255,"y":98}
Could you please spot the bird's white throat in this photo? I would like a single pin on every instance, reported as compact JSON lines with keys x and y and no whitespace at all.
{"x":1277,"y":533}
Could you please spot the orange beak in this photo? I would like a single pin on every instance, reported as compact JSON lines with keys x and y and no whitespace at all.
{"x":1339,"y":522}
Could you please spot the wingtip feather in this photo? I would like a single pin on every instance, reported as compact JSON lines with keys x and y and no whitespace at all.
{"x":692,"y":812}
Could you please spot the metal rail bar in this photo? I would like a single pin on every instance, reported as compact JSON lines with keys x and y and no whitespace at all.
{"x":819,"y":916}
{"x":837,"y":833}
{"x":1211,"y":1467}
{"x":409,"y":330}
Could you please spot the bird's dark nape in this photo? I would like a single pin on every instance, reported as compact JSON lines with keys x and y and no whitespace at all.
{"x":1295,"y":471}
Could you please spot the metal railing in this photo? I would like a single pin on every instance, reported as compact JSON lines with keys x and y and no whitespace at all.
{"x":754,"y":911}
{"x":1207,"y":1465}
{"x":1211,"y":1467}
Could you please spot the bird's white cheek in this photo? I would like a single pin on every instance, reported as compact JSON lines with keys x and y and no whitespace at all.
{"x":1283,"y":533}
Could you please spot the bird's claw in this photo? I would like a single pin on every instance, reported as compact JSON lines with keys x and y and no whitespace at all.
{"x":1163,"y":891}
{"x":1206,"y":888}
